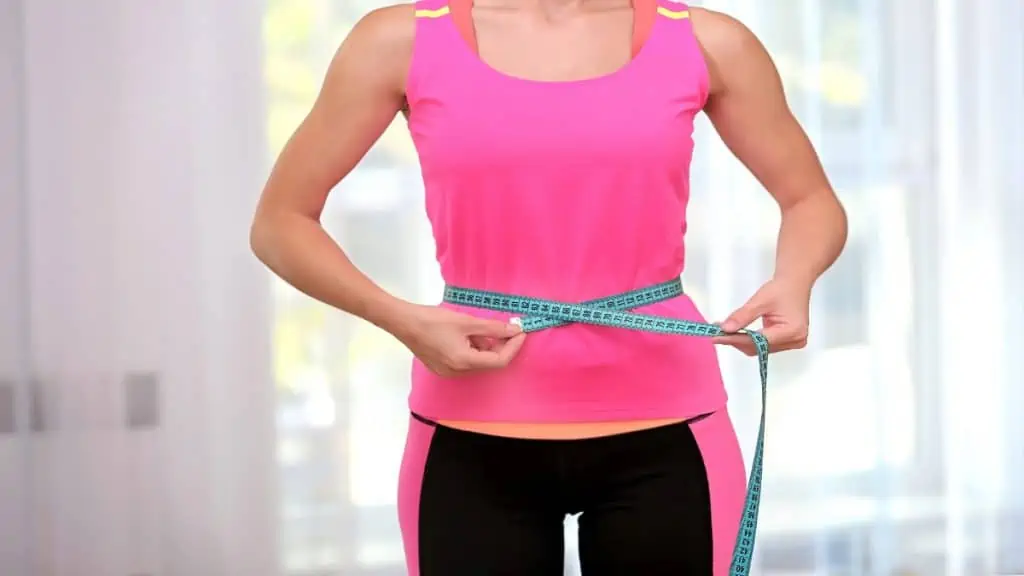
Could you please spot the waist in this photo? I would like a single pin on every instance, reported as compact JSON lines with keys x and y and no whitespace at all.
{"x":571,"y":352}
{"x":666,"y":297}
{"x":580,"y":380}
{"x":547,"y":278}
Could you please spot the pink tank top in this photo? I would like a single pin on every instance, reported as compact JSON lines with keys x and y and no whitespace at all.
{"x":566,"y":191}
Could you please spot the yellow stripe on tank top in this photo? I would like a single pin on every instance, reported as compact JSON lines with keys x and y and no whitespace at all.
{"x":675,"y":15}
{"x":445,"y":10}
{"x":442,"y":11}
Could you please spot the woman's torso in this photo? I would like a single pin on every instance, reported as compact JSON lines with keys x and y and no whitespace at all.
{"x":564,"y":178}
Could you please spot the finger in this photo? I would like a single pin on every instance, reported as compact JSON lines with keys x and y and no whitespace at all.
{"x":732,"y":340}
{"x":480,"y":360}
{"x":739,"y":342}
{"x":443,"y":371}
{"x":493,"y":328}
{"x":784,"y":338}
{"x":497,"y":357}
{"x":473,"y":359}
{"x":744,"y":316}
{"x":484,"y":342}
{"x":508,"y":349}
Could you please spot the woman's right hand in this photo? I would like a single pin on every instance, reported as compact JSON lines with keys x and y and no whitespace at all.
{"x":451,"y":344}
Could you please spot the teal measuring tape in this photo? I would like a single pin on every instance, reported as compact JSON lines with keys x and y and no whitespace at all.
{"x":614,"y":311}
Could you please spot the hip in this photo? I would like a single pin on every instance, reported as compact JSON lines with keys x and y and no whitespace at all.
{"x":589,"y":400}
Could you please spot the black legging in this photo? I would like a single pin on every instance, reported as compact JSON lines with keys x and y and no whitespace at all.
{"x":663,"y":501}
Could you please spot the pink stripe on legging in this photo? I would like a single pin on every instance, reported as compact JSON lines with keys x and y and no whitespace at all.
{"x":410,"y":482}
{"x":723,"y":461}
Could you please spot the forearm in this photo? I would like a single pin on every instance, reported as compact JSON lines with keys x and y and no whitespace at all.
{"x":299,"y":250}
{"x":811,"y":237}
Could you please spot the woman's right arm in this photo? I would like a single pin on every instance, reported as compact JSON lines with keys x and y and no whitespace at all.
{"x":361,"y":94}
{"x":363,"y":91}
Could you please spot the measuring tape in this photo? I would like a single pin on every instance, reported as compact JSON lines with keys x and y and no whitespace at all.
{"x":613,"y":311}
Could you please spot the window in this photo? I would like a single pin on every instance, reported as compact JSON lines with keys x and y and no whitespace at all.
{"x":855,"y":464}
{"x":342,"y":383}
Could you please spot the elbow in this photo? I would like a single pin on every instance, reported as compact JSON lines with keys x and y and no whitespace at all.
{"x":842,"y":222}
{"x":829,"y":211}
{"x":822,"y":212}
{"x":823,"y":207}
{"x":260,"y":233}
{"x":273,"y":229}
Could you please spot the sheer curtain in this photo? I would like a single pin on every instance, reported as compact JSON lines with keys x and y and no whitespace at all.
{"x":889,"y":449}
{"x":136,"y":413}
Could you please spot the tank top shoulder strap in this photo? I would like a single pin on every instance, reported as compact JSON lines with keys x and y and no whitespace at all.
{"x":673,"y":17}
{"x":675,"y":47}
{"x":431,"y":9}
{"x":672,"y":10}
{"x":435,"y":44}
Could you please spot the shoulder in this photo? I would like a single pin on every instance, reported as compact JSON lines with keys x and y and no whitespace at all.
{"x":722,"y":36}
{"x":378,"y":48}
{"x":388,"y":30}
{"x":729,"y":46}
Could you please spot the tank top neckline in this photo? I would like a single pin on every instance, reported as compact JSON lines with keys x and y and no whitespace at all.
{"x":467,"y":53}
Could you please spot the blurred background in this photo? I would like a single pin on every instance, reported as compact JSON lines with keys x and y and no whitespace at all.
{"x":167,"y":408}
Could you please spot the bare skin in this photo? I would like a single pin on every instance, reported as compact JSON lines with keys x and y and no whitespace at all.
{"x":364,"y":91}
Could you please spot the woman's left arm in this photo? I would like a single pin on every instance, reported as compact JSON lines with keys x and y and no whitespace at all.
{"x":747,"y":106}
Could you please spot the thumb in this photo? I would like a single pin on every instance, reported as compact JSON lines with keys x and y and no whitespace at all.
{"x":493,"y":328}
{"x":744,"y":316}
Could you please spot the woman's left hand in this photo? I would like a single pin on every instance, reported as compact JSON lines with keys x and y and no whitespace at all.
{"x":783,"y":307}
